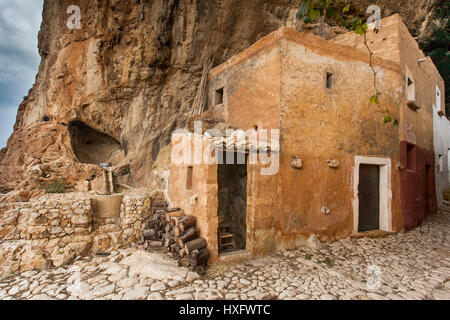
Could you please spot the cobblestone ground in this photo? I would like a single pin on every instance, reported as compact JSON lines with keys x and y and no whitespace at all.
{"x":412,"y":265}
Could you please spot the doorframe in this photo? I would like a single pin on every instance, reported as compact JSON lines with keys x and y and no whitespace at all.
{"x":229,"y":255}
{"x":385,"y":213}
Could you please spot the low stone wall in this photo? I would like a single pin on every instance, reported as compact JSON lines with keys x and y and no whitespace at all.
{"x":134,"y":213}
{"x":54,"y":230}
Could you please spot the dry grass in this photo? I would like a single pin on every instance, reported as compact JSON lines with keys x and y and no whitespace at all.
{"x":221,"y":267}
{"x":447,"y":195}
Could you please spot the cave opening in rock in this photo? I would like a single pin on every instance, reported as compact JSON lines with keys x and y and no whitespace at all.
{"x":93,"y":146}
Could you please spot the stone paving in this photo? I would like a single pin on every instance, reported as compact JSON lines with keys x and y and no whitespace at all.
{"x":412,"y":265}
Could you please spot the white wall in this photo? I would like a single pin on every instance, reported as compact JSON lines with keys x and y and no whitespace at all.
{"x":441,"y":147}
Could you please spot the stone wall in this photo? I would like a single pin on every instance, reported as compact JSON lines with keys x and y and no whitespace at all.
{"x":56,"y":229}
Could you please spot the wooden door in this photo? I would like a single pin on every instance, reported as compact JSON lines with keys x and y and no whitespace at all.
{"x":369,"y":197}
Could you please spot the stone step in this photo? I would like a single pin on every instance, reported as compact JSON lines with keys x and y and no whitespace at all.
{"x":445,"y":209}
{"x":375,"y":234}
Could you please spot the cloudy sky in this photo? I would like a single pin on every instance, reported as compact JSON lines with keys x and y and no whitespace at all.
{"x":20,"y":21}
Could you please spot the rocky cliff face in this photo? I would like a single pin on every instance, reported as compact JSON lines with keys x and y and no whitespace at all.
{"x":115,"y":90}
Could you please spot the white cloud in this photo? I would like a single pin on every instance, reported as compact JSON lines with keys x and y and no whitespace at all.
{"x":19,"y":59}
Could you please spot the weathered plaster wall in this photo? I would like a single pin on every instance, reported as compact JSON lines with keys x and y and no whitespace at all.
{"x":202,"y":199}
{"x":320,"y":124}
{"x":441,"y":148}
{"x":417,"y":186}
{"x":394,"y":42}
{"x":251,"y":82}
{"x":418,"y":191}
{"x":264,"y":214}
{"x":384,"y":44}
{"x":416,"y":125}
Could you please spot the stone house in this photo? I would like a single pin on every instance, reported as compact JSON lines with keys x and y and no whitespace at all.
{"x":340,"y":169}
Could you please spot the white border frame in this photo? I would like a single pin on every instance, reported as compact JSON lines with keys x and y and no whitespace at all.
{"x":385,"y":165}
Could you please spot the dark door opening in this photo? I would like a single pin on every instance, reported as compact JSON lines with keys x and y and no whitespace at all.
{"x":369,"y":198}
{"x":428,"y":189}
{"x":232,"y":206}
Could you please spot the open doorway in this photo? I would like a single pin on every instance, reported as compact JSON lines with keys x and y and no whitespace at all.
{"x":232,"y":206}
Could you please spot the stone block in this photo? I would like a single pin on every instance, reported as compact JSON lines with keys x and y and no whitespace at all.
{"x":32,"y":259}
{"x":107,"y":206}
{"x":7,"y":233}
{"x":37,"y":229}
{"x":81,"y":219}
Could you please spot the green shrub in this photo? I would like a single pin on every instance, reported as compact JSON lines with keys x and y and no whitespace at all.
{"x":56,"y":186}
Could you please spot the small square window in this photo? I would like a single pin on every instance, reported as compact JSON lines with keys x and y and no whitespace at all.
{"x":410,"y":90}
{"x":330,"y":78}
{"x":410,"y":82}
{"x":219,"y":96}
{"x":411,"y":94}
{"x":189,"y":175}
